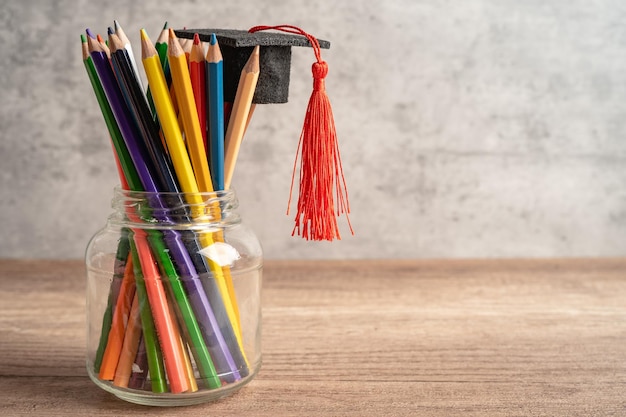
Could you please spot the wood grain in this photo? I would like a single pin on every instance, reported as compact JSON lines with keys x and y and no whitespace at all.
{"x":379,"y":338}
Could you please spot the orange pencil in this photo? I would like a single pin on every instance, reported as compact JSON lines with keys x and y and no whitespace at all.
{"x":118,"y":324}
{"x":189,"y":114}
{"x":130,"y":346}
{"x":104,"y":46}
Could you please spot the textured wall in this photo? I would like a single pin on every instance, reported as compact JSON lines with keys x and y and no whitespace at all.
{"x":482,"y":128}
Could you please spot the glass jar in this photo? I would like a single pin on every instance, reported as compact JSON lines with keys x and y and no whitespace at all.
{"x":173,"y":299}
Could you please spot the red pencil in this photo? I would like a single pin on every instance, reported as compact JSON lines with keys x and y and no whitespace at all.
{"x":196,"y":73}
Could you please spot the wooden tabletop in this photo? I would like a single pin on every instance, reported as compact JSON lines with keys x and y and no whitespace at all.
{"x":360,"y":338}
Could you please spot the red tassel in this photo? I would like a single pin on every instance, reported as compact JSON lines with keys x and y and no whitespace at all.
{"x":321,"y":172}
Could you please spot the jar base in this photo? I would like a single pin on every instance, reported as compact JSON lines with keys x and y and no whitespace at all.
{"x":174,"y":400}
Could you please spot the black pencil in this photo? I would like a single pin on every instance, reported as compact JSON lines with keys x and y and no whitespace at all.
{"x":127,"y":77}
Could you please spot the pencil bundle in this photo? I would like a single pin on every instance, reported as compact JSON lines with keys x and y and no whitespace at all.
{"x":164,"y":328}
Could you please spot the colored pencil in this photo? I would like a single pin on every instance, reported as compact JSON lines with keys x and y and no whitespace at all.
{"x":215,"y":115}
{"x":167,"y":117}
{"x":239,"y":114}
{"x":104,"y":46}
{"x":161,"y":45}
{"x":119,"y":265}
{"x":215,"y":99}
{"x":189,"y":113}
{"x":118,"y":325}
{"x":197,"y":76}
{"x":130,"y":346}
{"x":129,"y":49}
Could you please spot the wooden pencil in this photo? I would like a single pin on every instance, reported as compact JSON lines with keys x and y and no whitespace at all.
{"x":239,"y":114}
{"x":167,"y":117}
{"x":129,"y":348}
{"x":118,"y":326}
{"x":129,"y":49}
{"x":189,"y":113}
{"x":215,"y":99}
{"x":197,"y":75}
{"x":161,"y":44}
{"x":104,"y":46}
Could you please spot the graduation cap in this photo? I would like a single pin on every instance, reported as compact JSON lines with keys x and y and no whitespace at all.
{"x":322,"y":189}
{"x":275,"y":59}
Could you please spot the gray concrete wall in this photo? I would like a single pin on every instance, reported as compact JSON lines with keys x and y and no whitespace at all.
{"x":478,"y":128}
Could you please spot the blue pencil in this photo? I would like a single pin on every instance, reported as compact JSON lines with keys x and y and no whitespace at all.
{"x":215,"y":113}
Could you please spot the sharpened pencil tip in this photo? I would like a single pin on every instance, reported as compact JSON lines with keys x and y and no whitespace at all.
{"x":196,"y":39}
{"x":90,"y":33}
{"x":213,"y":39}
{"x":171,"y":33}
{"x":165,"y":26}
{"x":110,"y":30}
{"x":116,"y":24}
{"x":143,"y":34}
{"x":83,"y":38}
{"x":99,"y":38}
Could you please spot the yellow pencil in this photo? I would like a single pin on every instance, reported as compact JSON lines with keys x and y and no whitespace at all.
{"x":167,"y":117}
{"x":239,"y":114}
{"x":182,"y":164}
{"x":189,"y":113}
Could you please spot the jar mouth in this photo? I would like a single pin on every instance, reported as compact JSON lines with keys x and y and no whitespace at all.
{"x":157,"y":209}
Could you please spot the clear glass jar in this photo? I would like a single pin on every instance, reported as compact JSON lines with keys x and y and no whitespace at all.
{"x":173,"y":299}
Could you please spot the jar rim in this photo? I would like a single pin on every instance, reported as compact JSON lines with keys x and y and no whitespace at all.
{"x":157,"y":209}
{"x":118,"y":190}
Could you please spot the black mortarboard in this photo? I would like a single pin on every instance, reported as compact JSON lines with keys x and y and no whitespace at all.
{"x":275,"y":59}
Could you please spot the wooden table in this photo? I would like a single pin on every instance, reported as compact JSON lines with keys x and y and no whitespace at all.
{"x":361,"y":338}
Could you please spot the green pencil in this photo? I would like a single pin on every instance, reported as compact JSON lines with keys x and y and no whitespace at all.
{"x":185,"y":312}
